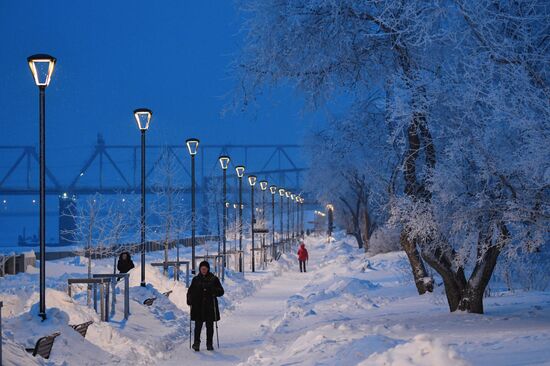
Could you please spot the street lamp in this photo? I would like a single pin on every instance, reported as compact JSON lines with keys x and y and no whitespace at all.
{"x":143,"y":118}
{"x":263,"y":187}
{"x":297,"y":221}
{"x":273,"y":190}
{"x":282,"y":233}
{"x":192,"y":147}
{"x":42,"y":67}
{"x":287,"y":195}
{"x":224,"y":162}
{"x":292,"y":197}
{"x":252,"y":182}
{"x":240,"y":173}
{"x":330,"y":220}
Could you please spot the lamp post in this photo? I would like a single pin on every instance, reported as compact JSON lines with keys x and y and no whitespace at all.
{"x":287,"y":195}
{"x":235,"y":206}
{"x":282,"y":232}
{"x":273,"y":190}
{"x":192,"y":147}
{"x":330,"y":220}
{"x":297,"y":223}
{"x":252,"y":182}
{"x":263,"y":187}
{"x":291,"y":213}
{"x":240,"y":173}
{"x":42,"y":67}
{"x":302,"y":200}
{"x":224,"y":162}
{"x":143,"y":118}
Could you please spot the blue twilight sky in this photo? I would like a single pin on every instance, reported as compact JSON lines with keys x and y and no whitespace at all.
{"x":171,"y":56}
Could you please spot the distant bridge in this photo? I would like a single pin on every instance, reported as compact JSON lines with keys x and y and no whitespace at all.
{"x":103,"y":172}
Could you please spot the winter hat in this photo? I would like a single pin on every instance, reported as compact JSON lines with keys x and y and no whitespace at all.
{"x":204,"y":264}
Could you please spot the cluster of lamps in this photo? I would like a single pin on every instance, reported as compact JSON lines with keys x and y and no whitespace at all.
{"x":42,"y":67}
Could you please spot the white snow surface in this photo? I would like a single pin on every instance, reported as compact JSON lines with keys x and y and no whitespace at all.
{"x":348,"y":309}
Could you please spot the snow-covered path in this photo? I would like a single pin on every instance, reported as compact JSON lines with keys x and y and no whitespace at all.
{"x":241,"y":330}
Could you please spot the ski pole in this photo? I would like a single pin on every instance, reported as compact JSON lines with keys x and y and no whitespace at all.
{"x":217,"y":333}
{"x":190,"y":308}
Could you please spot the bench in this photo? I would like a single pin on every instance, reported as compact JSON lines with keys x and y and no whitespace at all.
{"x":82,"y":328}
{"x":43,"y":346}
{"x":149,"y":301}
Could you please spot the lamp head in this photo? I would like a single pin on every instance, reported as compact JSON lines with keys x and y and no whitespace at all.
{"x":263,"y":185}
{"x":143,"y":118}
{"x":281,"y":192}
{"x":224,"y":161}
{"x":192,"y":146}
{"x":240,"y":171}
{"x":252,"y":180}
{"x":273,"y":189}
{"x":42,"y":67}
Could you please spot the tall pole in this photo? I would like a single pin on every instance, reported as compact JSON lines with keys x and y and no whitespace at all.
{"x":288,"y":218}
{"x":224,"y":221}
{"x":252,"y":220}
{"x":143,"y":208}
{"x":193,"y":218}
{"x":263,"y":221}
{"x":282,"y":236}
{"x":42,"y":230}
{"x":273,"y":225}
{"x":240,"y":224}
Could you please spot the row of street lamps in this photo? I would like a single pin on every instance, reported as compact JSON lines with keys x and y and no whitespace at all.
{"x":42,"y":67}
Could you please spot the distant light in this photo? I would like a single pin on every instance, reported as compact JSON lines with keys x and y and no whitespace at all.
{"x":42,"y":67}
{"x":143,"y":118}
{"x":192,"y":146}
{"x":65,"y":195}
{"x":224,"y":161}
{"x":81,"y":174}
{"x":4,"y":201}
{"x":33,"y":201}
{"x":124,"y":200}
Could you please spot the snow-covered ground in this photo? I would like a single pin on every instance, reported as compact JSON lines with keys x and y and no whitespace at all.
{"x":349,"y":309}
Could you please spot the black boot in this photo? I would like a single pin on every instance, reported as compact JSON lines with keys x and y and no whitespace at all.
{"x":209,"y":347}
{"x":196,"y":346}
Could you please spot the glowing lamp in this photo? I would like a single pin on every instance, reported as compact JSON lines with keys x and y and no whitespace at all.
{"x":192,"y":146}
{"x":240,"y":171}
{"x":143,"y":118}
{"x":42,"y":67}
{"x":224,"y":161}
{"x":263,"y":185}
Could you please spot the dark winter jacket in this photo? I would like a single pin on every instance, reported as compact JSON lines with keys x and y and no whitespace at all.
{"x":202,"y":297}
{"x":124,"y":265}
{"x":302,"y":253}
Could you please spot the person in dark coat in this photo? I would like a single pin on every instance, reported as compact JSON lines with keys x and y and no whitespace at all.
{"x":202,"y":297}
{"x":125,"y":262}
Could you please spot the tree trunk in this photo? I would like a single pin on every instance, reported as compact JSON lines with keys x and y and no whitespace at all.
{"x":423,"y":282}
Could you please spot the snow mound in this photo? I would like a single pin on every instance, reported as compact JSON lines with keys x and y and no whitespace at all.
{"x":422,"y":350}
{"x":352,"y":286}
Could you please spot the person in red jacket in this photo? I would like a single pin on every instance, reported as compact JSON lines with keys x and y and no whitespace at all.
{"x":302,"y":257}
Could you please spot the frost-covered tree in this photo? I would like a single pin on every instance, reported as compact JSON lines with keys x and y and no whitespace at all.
{"x":465,"y":89}
{"x":169,"y":208}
